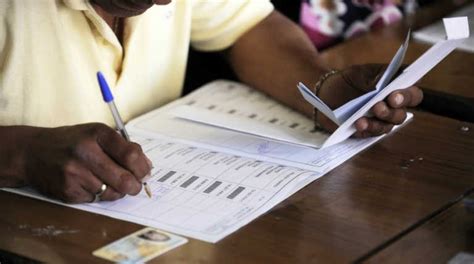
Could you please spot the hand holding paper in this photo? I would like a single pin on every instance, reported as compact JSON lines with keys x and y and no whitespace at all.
{"x":347,"y":114}
{"x":344,"y":116}
{"x":342,"y":113}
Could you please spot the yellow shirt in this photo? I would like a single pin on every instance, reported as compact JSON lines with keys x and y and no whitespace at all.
{"x":50,"y":51}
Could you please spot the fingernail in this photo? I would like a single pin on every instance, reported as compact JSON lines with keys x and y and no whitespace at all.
{"x":398,"y":99}
{"x":148,"y":176}
{"x":363,"y":125}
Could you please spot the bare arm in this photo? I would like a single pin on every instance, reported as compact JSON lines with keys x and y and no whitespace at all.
{"x":12,"y":153}
{"x":273,"y":57}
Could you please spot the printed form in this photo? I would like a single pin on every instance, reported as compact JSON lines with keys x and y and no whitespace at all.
{"x":201,"y":193}
{"x":208,"y":182}
{"x":251,"y":110}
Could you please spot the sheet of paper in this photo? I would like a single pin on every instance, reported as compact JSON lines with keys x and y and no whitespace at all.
{"x":322,"y":107}
{"x":436,"y":31}
{"x":286,"y":134}
{"x":236,"y":101}
{"x":273,"y":122}
{"x":394,"y":64}
{"x":456,"y":27}
{"x":201,"y":193}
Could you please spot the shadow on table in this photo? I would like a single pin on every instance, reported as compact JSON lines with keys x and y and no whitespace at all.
{"x":452,"y":106}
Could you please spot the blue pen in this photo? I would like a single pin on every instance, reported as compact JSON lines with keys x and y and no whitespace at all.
{"x":109,"y":99}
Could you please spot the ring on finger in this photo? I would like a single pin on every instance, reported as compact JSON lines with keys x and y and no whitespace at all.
{"x":98,"y":194}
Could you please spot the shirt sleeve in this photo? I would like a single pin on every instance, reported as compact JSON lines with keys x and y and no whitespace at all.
{"x":3,"y":33}
{"x":216,"y":25}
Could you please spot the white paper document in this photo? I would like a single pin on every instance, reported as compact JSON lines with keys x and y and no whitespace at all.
{"x":456,"y":27}
{"x":208,"y":182}
{"x":202,"y":193}
{"x":252,"y":123}
{"x":437,"y":31}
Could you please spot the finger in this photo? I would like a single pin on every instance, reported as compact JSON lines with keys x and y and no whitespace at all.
{"x":115,"y":176}
{"x":92,"y":185}
{"x":111,"y":195}
{"x":69,"y":188}
{"x":90,"y":198}
{"x":75,"y":194}
{"x":389,"y":115}
{"x":373,"y":127}
{"x":127,"y":154}
{"x":405,"y":98}
{"x":362,"y":134}
{"x":361,"y":124}
{"x":108,"y":171}
{"x":377,"y":127}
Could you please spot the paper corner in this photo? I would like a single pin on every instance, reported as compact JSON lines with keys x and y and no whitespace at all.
{"x":456,"y":27}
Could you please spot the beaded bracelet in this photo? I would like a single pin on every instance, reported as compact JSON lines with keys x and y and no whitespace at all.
{"x":322,"y":79}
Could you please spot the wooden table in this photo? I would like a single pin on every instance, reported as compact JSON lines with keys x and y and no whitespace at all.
{"x":449,"y":87}
{"x":437,"y":239}
{"x":341,"y":217}
{"x":374,"y":206}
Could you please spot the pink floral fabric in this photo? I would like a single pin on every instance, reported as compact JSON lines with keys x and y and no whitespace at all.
{"x":330,"y":21}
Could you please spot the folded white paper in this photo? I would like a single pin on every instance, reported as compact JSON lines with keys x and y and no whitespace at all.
{"x":341,"y":114}
{"x":346,"y":115}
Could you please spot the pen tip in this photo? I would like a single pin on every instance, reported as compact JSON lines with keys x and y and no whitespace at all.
{"x":147,"y":189}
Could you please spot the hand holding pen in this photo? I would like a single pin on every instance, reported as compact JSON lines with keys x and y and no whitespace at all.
{"x":83,"y":163}
{"x":109,"y":99}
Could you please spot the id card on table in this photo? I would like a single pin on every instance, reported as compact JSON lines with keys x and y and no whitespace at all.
{"x":140,"y":246}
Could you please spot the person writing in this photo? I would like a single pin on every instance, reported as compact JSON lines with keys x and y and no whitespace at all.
{"x":50,"y":103}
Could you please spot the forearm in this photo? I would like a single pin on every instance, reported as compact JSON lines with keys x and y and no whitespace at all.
{"x":13,"y":142}
{"x":273,"y":57}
